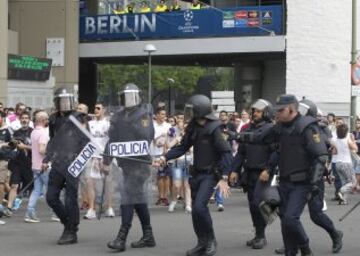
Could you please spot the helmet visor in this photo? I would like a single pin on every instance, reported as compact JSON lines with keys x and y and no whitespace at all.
{"x":64,"y":102}
{"x":303,"y":109}
{"x":130,"y":98}
{"x":188,"y":113}
{"x":260,"y":105}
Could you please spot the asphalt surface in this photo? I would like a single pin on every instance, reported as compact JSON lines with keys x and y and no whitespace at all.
{"x":173,"y":232}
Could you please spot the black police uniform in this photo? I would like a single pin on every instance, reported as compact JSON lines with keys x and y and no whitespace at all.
{"x":56,"y":120}
{"x":61,"y":152}
{"x":255,"y":155}
{"x":212,"y":159}
{"x":301,"y":166}
{"x":132,"y":124}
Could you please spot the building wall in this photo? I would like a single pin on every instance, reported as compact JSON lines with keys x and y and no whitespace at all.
{"x":318,"y":52}
{"x":13,"y":42}
{"x":35,"y":21}
{"x":3,"y":50}
{"x":273,"y":79}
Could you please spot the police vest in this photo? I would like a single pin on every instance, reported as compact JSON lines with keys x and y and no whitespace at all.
{"x":145,"y":10}
{"x":294,"y":157}
{"x":257,"y":152}
{"x":196,"y":7}
{"x":161,"y":8}
{"x":205,"y":154}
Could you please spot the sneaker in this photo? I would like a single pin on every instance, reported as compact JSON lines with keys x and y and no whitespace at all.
{"x":84,"y":206}
{"x":90,"y":215}
{"x":17,"y":204}
{"x":172,"y":206}
{"x":2,"y":222}
{"x":324,"y":209}
{"x":31,"y":219}
{"x":165,"y":202}
{"x":220,"y":208}
{"x":54,"y":218}
{"x":158,"y":202}
{"x":110,"y":213}
{"x":343,"y":202}
{"x":188,"y":209}
{"x":7,"y":212}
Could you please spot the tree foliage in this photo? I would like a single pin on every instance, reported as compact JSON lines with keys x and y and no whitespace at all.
{"x":114,"y":77}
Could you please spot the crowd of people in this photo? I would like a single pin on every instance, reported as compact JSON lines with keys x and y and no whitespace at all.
{"x":146,"y":7}
{"x":25,"y":165}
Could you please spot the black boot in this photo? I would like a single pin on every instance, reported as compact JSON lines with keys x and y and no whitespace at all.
{"x":280,"y":250}
{"x":68,"y":236}
{"x":251,"y":242}
{"x":337,"y":241}
{"x":259,"y":243}
{"x":147,"y":240}
{"x":120,"y":240}
{"x":306,"y":251}
{"x":199,"y":249}
{"x":211,"y":247}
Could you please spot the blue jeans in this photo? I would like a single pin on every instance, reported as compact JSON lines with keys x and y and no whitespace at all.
{"x":40,"y":182}
{"x":219,"y":199}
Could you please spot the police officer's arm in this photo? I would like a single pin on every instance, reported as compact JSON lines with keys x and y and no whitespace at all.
{"x":185,"y":144}
{"x":222,"y":146}
{"x":316,"y":147}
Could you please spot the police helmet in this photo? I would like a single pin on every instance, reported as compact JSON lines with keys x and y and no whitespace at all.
{"x":308,"y":108}
{"x":64,"y":100}
{"x":199,"y":106}
{"x":130,"y":96}
{"x":265,"y":106}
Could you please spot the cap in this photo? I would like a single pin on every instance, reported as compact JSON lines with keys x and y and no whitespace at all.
{"x":285,"y":100}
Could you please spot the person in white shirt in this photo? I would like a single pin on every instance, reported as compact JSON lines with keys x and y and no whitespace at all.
{"x":99,"y":128}
{"x":343,"y":144}
{"x":158,"y":148}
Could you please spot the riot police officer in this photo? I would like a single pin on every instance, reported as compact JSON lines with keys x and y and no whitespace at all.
{"x":302,"y":158}
{"x":133,"y":122}
{"x":254,"y":154}
{"x":65,"y":146}
{"x":64,"y":105}
{"x":316,"y":202}
{"x":212,"y":160}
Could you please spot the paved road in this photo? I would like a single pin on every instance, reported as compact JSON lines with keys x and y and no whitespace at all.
{"x":173,"y":233}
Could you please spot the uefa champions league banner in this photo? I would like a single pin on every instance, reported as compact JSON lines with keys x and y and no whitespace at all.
{"x":241,"y":21}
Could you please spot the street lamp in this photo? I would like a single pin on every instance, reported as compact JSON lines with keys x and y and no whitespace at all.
{"x":170,"y":82}
{"x":149,"y":48}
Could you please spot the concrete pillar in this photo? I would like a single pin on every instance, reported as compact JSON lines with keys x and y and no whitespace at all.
{"x":248,"y":84}
{"x":71,"y":43}
{"x":88,"y":83}
{"x":3,"y":50}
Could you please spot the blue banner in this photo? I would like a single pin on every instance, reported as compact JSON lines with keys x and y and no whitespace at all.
{"x":241,"y":21}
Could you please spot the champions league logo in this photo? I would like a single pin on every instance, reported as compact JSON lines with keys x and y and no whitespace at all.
{"x":188,"y":15}
{"x":188,"y":26}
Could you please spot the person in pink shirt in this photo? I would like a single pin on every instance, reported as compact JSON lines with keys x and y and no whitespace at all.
{"x":39,"y":140}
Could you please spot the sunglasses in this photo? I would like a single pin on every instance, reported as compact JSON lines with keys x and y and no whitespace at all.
{"x":97,"y":108}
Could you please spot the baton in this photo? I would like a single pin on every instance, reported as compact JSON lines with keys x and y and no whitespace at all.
{"x":130,"y":159}
{"x":102,"y":198}
{"x":349,"y":211}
